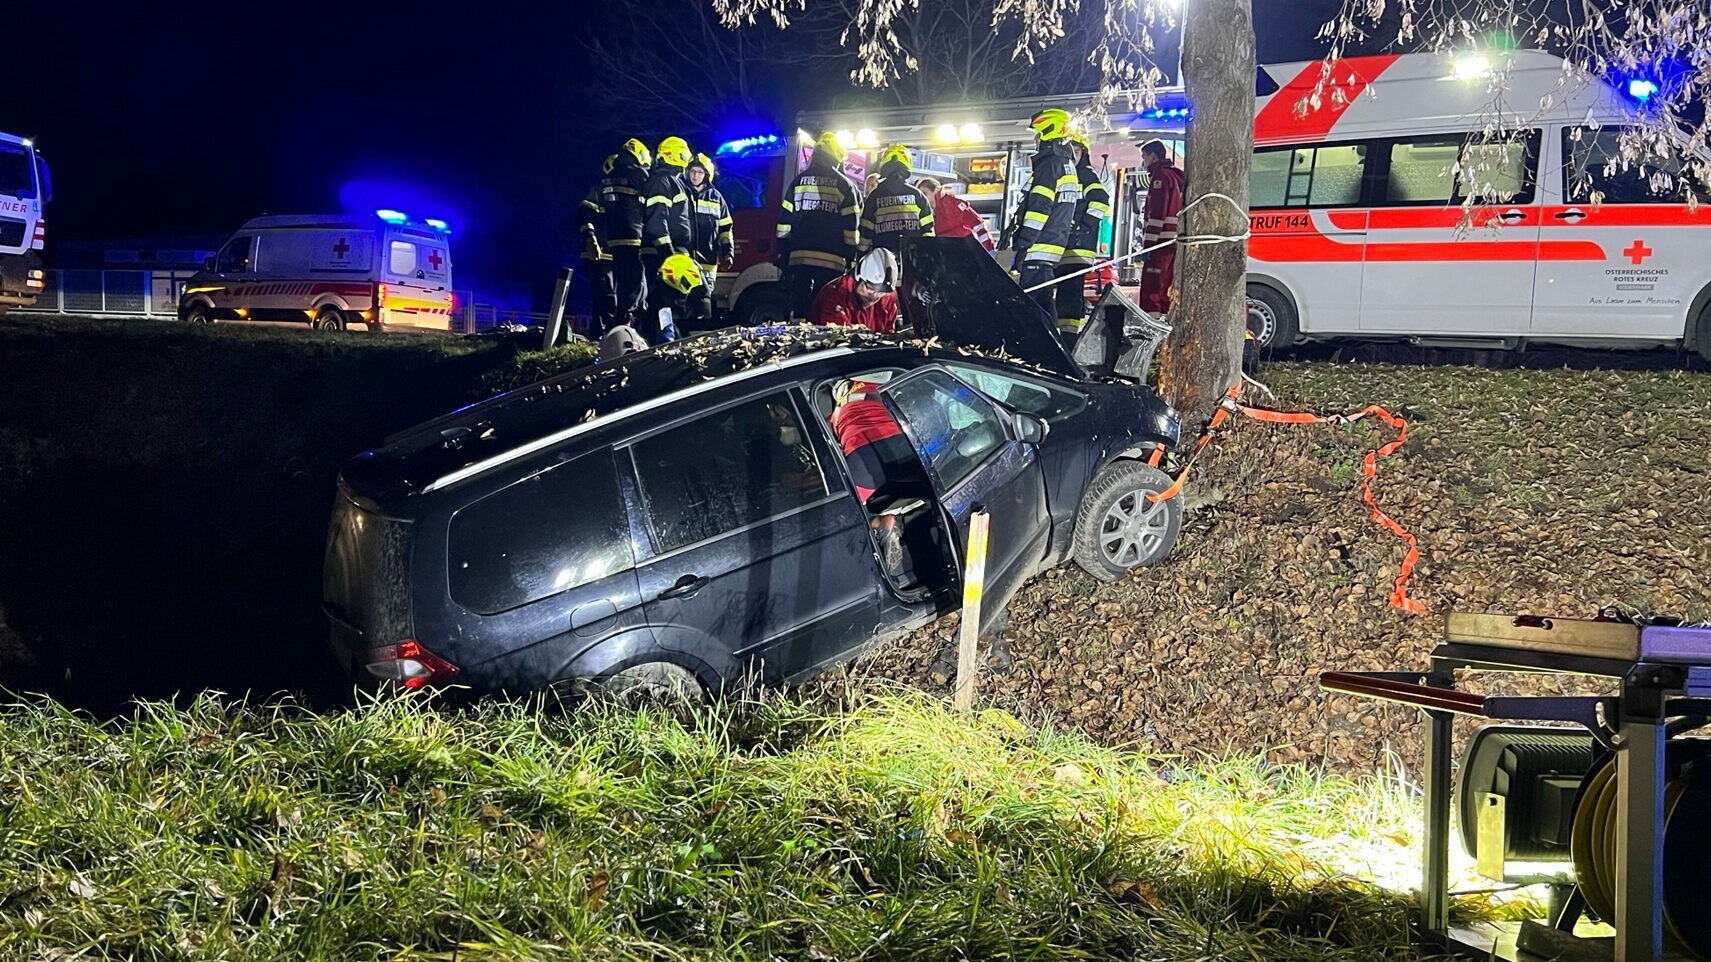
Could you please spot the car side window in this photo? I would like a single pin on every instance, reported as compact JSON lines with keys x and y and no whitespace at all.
{"x":235,"y":256}
{"x":1029,"y":397}
{"x":558,"y":530}
{"x":402,"y":258}
{"x":1598,"y":173}
{"x":729,"y":469}
{"x":1320,"y":176}
{"x":955,"y":428}
{"x":1439,"y":169}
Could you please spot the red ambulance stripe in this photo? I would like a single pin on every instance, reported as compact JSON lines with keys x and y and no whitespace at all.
{"x":1350,"y":77}
{"x":1317,"y":248}
{"x":1632,"y":215}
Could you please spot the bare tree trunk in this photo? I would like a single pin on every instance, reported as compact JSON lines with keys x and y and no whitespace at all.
{"x":1203,"y":357}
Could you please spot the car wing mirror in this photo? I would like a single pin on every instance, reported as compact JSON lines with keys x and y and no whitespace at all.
{"x":208,"y":264}
{"x":1030,"y":429}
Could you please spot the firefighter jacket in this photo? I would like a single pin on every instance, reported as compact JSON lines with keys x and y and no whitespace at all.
{"x":1164,"y":203}
{"x":623,"y":201}
{"x":1091,"y":213}
{"x":894,"y":210}
{"x":953,"y":217}
{"x":819,"y":226}
{"x":710,"y":236}
{"x":1048,"y":210}
{"x":591,"y":222}
{"x":670,"y":218}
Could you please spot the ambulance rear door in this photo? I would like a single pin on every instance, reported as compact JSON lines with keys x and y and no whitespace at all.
{"x":1433,"y":267}
{"x":416,"y":269}
{"x":1631,"y":251}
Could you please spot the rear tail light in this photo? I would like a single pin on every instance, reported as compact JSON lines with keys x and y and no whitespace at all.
{"x":409,"y":665}
{"x":40,"y":240}
{"x":451,"y":302}
{"x":380,"y":295}
{"x":34,"y":279}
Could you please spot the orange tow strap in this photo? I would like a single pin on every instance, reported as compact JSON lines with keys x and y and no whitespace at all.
{"x":1369,"y":471}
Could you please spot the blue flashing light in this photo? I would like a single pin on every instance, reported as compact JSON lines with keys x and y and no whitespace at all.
{"x":439,"y":225}
{"x":1172,"y":113}
{"x":391,"y":216}
{"x":747,"y":145}
{"x":1642,"y":89}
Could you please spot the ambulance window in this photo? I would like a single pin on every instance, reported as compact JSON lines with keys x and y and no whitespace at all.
{"x":1308,"y":176}
{"x":1424,"y":170}
{"x":403,"y":258}
{"x":235,"y":256}
{"x":1597,"y":173}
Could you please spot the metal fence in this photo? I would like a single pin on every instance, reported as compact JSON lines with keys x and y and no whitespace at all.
{"x":155,"y":294}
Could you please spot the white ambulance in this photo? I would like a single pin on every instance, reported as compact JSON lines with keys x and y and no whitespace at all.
{"x":387,"y":272}
{"x":24,"y":190}
{"x":1358,"y":224}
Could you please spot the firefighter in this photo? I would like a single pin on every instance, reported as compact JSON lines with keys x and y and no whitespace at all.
{"x":953,"y":217}
{"x":1163,"y":210}
{"x":866,"y":296}
{"x":894,"y":209}
{"x":596,"y":257}
{"x":820,"y":226}
{"x":623,"y":201}
{"x":1048,"y":209}
{"x":669,"y":225}
{"x":688,"y":294}
{"x":710,"y":235}
{"x":1091,"y":213}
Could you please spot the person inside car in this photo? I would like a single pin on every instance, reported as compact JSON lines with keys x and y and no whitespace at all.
{"x":878,"y":454}
{"x":867,"y":296}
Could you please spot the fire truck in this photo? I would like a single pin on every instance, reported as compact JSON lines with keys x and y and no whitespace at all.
{"x":25,"y":190}
{"x":1362,"y":224}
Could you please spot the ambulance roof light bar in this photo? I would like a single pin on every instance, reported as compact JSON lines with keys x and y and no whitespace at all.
{"x":391,"y":216}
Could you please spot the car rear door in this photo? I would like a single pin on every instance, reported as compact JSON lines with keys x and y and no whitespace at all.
{"x":975,"y":462}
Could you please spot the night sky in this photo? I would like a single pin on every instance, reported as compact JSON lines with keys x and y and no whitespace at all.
{"x":180,"y":118}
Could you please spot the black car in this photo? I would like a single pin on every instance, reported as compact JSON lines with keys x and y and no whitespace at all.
{"x":685,"y":515}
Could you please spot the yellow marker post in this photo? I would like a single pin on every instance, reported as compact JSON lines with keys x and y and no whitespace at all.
{"x":973,"y":580}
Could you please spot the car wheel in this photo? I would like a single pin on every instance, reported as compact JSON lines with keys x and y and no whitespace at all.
{"x":659,"y":682}
{"x":330,"y":319}
{"x":1702,"y":337}
{"x":1117,"y":528}
{"x":1271,"y":318}
{"x":764,"y":306}
{"x":198,"y":314}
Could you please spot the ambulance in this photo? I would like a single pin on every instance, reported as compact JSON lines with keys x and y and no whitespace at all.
{"x":25,"y":189}
{"x":1357,"y":209}
{"x":385,"y":272}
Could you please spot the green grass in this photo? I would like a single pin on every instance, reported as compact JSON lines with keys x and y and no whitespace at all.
{"x":894,"y":829}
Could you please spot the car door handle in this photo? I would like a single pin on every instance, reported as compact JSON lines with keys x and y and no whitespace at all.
{"x":1511,"y":216}
{"x":686,"y":587}
{"x":1572,"y":214}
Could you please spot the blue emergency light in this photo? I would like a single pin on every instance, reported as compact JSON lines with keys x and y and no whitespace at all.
{"x":391,"y":216}
{"x":1641,"y":88}
{"x":438,"y":225}
{"x":746,"y":145}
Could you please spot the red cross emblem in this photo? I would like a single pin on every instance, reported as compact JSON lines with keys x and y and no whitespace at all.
{"x":1638,"y":252}
{"x":434,"y":260}
{"x":341,"y":248}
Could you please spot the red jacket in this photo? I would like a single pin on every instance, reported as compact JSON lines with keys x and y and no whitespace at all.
{"x":837,"y":303}
{"x":863,"y":419}
{"x":953,"y":217}
{"x":1164,"y":203}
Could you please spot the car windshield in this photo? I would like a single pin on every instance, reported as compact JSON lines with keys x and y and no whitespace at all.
{"x":17,"y":172}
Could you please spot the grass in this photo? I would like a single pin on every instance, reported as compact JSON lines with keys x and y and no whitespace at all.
{"x":894,"y":829}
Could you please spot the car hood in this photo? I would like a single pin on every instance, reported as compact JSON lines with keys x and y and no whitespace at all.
{"x":952,"y":289}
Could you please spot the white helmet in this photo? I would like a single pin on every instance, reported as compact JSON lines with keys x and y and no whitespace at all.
{"x":619,"y":341}
{"x":879,"y":268}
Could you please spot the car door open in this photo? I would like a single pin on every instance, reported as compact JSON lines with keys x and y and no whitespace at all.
{"x":977,"y":460}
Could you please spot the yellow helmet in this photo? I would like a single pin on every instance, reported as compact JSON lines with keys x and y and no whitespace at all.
{"x":1078,"y":138}
{"x":705,"y":163}
{"x":1051,"y":123}
{"x":681,"y":273}
{"x":896,"y":152}
{"x":828,"y":145}
{"x":675,"y":152}
{"x":639,"y":150}
{"x":611,"y":162}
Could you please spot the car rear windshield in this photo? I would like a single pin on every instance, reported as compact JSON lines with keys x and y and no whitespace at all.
{"x":558,"y":530}
{"x":17,"y":171}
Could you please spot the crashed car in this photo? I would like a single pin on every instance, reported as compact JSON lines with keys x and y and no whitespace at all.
{"x":684,"y":516}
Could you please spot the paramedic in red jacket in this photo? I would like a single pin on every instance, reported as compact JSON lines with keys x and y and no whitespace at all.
{"x":874,"y":446}
{"x":953,"y":217}
{"x":867,"y":296}
{"x":1163,"y":210}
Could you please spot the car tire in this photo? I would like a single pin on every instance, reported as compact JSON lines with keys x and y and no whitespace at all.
{"x":1271,"y":318}
{"x":658,"y":682}
{"x":1117,"y":528}
{"x":198,"y":314}
{"x":1702,"y":333}
{"x":768,"y":305}
{"x":330,"y":319}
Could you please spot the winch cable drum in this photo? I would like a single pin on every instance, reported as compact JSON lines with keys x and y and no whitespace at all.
{"x":1543,"y":795}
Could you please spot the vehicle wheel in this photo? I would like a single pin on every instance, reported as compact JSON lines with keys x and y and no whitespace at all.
{"x":198,"y":314}
{"x":763,"y":306}
{"x":1272,"y":318}
{"x":1117,"y":528}
{"x":330,"y":319}
{"x":658,"y":682}
{"x":1702,"y":337}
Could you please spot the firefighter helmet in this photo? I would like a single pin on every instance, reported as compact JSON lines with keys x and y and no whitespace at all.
{"x":639,"y":151}
{"x":1051,"y":123}
{"x":611,"y":162}
{"x":705,"y":163}
{"x":829,"y":146}
{"x":681,"y":273}
{"x":1078,"y":138}
{"x":674,"y":152}
{"x":895,"y":152}
{"x":878,"y":268}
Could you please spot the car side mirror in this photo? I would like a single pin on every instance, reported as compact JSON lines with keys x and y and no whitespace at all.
{"x":1031,"y":429}
{"x":208,"y":264}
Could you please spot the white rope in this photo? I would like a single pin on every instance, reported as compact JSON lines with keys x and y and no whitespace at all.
{"x":1190,"y":240}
